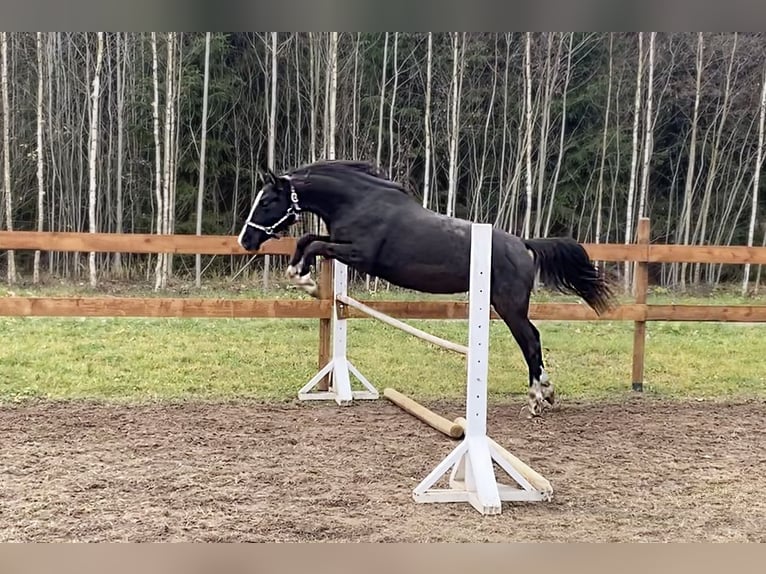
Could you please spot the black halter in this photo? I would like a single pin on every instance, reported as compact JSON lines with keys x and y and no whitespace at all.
{"x":292,"y":212}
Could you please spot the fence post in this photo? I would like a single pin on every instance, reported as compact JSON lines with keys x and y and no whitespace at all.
{"x":640,"y":289}
{"x":325,"y":325}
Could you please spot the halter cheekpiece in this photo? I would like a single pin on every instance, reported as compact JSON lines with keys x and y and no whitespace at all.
{"x":292,"y":211}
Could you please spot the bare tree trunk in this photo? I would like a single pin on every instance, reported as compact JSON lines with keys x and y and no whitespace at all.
{"x":756,"y":180}
{"x":157,"y":150}
{"x":53,"y":167}
{"x":560,"y":158}
{"x":379,"y":152}
{"x":634,"y":158}
{"x":686,"y":213}
{"x":700,"y":229}
{"x":504,"y":188}
{"x":427,"y":124}
{"x":175,"y":125}
{"x":93,"y":150}
{"x":453,"y":138}
{"x":312,"y":89}
{"x":333,"y":96}
{"x":203,"y":144}
{"x":382,"y":101}
{"x":600,"y":192}
{"x":40,"y":180}
{"x":528,"y":133}
{"x":354,"y":103}
{"x":476,"y":204}
{"x":648,"y":131}
{"x":393,"y":108}
{"x":121,"y":67}
{"x":11,"y":268}
{"x":550,"y":79}
{"x":326,"y":107}
{"x":272,"y":135}
{"x":162,"y":277}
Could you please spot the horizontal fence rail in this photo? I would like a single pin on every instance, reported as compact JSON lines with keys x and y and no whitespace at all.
{"x":227,"y":245}
{"x":662,"y":253}
{"x":322,"y":309}
{"x":138,"y":243}
{"x":163,"y":307}
{"x":639,"y":312}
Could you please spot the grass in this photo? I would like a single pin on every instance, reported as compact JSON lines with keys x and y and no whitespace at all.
{"x":156,"y":359}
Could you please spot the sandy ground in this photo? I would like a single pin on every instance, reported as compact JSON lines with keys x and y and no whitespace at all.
{"x":642,"y":470}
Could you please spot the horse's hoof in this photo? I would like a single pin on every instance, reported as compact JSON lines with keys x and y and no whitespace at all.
{"x":291,"y":272}
{"x":549,"y":395}
{"x":535,"y":406}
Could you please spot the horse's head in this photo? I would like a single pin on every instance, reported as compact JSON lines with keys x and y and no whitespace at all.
{"x":274,"y":210}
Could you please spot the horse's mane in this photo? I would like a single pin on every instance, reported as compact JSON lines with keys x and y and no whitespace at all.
{"x":342,"y":168}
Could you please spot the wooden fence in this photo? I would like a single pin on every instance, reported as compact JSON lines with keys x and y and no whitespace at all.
{"x":642,"y":252}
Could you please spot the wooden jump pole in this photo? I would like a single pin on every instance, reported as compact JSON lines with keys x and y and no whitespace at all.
{"x":438,"y":341}
{"x":445,"y":426}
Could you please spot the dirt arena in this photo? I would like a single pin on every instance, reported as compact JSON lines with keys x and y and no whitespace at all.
{"x":641,"y":470}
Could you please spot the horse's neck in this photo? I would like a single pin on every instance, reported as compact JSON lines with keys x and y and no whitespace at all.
{"x":324,"y":202}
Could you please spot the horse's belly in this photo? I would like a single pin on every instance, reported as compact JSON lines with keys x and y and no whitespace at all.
{"x":425,"y":277}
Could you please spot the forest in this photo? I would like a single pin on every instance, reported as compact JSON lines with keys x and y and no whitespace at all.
{"x":542,"y":134}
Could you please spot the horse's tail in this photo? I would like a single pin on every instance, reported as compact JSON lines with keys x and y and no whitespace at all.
{"x":564,"y":264}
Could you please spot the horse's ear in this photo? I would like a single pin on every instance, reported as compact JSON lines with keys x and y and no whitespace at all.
{"x":267,"y":176}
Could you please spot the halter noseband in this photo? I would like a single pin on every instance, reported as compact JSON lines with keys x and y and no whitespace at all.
{"x":292,"y":211}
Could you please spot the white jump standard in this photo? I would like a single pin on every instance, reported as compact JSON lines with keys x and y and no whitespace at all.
{"x":472,"y":478}
{"x":338,"y":367}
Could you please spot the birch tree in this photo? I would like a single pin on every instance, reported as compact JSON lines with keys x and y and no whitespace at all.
{"x":648,"y":130}
{"x":333,"y":99}
{"x":686,"y":212}
{"x":634,"y":157}
{"x":168,"y":163}
{"x":93,"y":151}
{"x":700,"y":230}
{"x":382,"y":101}
{"x":122,"y":58}
{"x":528,"y":133}
{"x":272,"y":135}
{"x":477,"y":197}
{"x":562,"y":133}
{"x":427,"y":124}
{"x":453,"y":135}
{"x":11,"y":266}
{"x":202,"y":150}
{"x":549,"y":81}
{"x":756,"y":179}
{"x":600,"y":188}
{"x":355,"y":102}
{"x":157,"y":150}
{"x":393,"y":107}
{"x":40,"y":152}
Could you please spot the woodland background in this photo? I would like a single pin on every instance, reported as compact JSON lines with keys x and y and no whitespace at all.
{"x":543,"y":134}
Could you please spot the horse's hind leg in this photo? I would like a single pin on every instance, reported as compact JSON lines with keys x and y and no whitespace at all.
{"x":513,"y":308}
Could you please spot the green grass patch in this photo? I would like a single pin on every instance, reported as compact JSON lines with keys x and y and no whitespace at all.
{"x":154,"y":359}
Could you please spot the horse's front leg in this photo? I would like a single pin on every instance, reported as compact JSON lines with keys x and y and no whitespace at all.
{"x":351,"y":254}
{"x":298,"y":270}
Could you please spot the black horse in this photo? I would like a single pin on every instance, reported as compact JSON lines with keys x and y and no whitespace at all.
{"x":377,"y":227}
